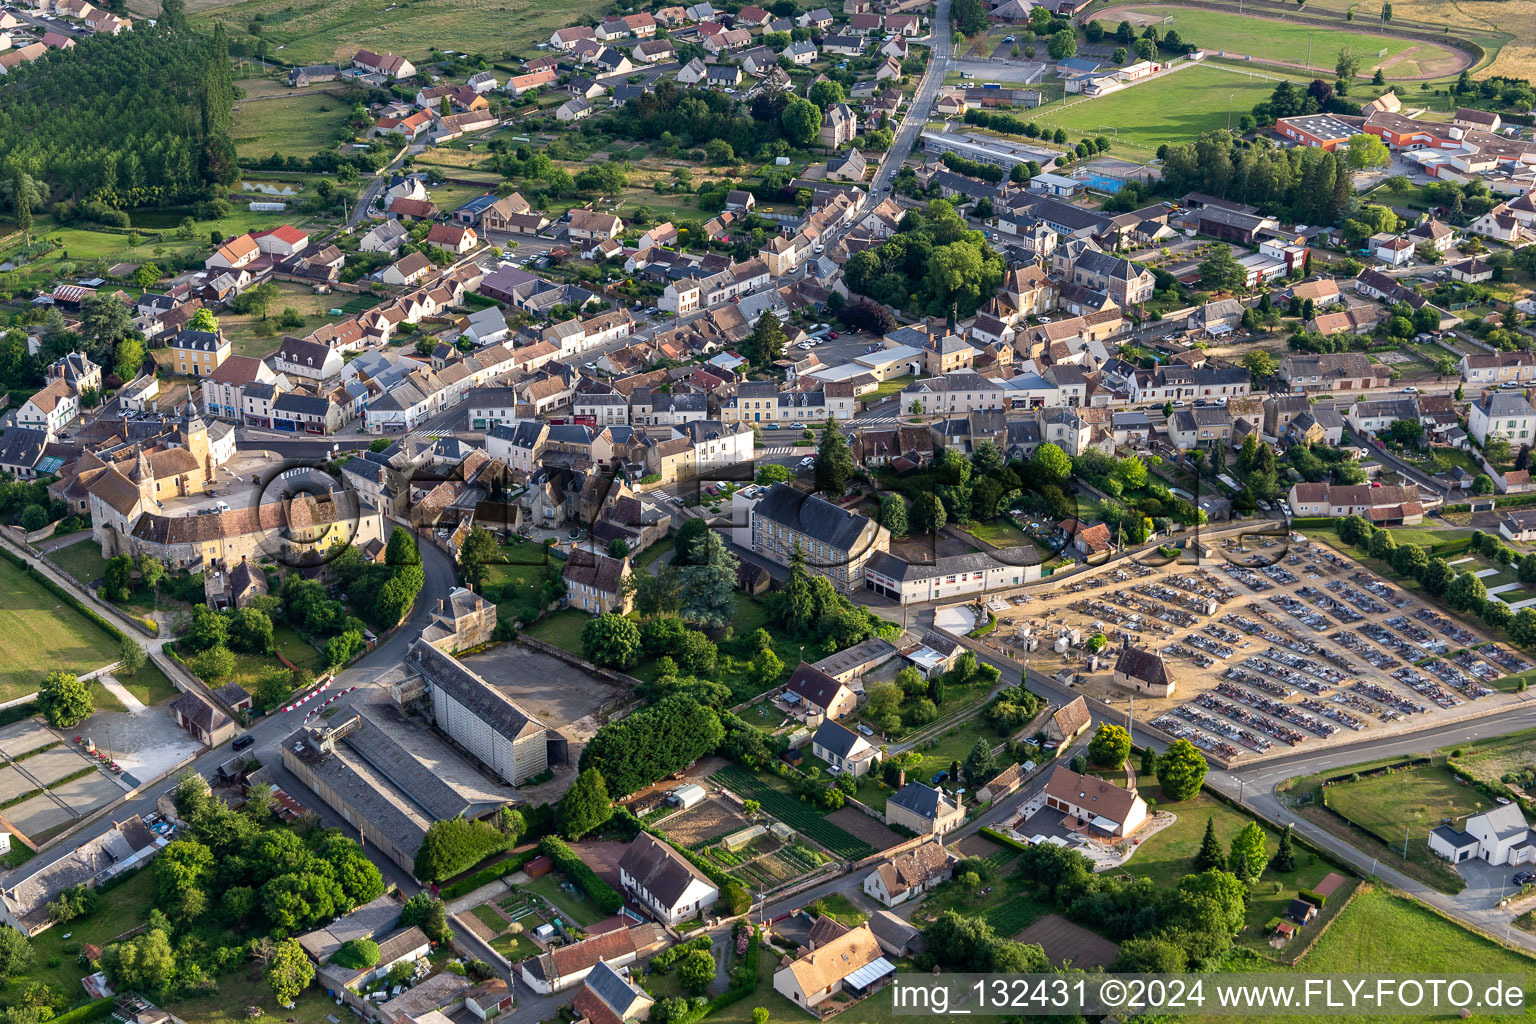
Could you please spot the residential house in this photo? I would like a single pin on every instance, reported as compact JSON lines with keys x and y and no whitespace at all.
{"x":910,"y":874}
{"x":1093,"y":805}
{"x":834,"y":541}
{"x":1503,"y":414}
{"x":924,"y":809}
{"x":851,"y":962}
{"x":843,"y":749}
{"x":595,"y":582}
{"x":664,"y":882}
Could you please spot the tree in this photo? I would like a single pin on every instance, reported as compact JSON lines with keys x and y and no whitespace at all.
{"x":204,"y":320}
{"x":928,"y":515}
{"x":1063,"y":44}
{"x":801,"y":121}
{"x":834,"y":462}
{"x":826,"y":93}
{"x":1260,"y":366}
{"x":356,"y":954}
{"x":1249,"y":855}
{"x":289,"y":971}
{"x":452,"y":845}
{"x":64,"y":700}
{"x":611,"y":639}
{"x":641,"y":748}
{"x":585,"y":806}
{"x":1522,"y":628}
{"x":1347,"y":66}
{"x":15,"y":953}
{"x":1110,"y":746}
{"x":130,"y":658}
{"x":1145,"y":48}
{"x":1465,"y":592}
{"x":1482,"y":484}
{"x":209,"y":629}
{"x":1219,"y":271}
{"x":402,"y":548}
{"x":771,"y":473}
{"x":1210,"y":855}
{"x":1363,"y":151}
{"x":707,"y":587}
{"x":1437,"y":575}
{"x":767,"y":340}
{"x":1284,"y":859}
{"x":117,"y":578}
{"x":1052,"y":461}
{"x":980,"y":764}
{"x":799,"y":604}
{"x":427,"y":913}
{"x":696,"y":969}
{"x":1181,"y":770}
{"x":893,"y":514}
{"x":479,"y":551}
{"x":147,"y":963}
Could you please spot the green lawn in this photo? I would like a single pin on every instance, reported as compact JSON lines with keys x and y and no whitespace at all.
{"x":1169,"y":855}
{"x":1387,"y":806}
{"x":490,"y":917}
{"x":562,"y":628}
{"x":646,"y":558}
{"x":39,"y":632}
{"x":82,"y":561}
{"x":1009,"y":908}
{"x":886,"y":389}
{"x":149,"y":684}
{"x":571,"y":904}
{"x":297,"y":650}
{"x":842,"y":910}
{"x":1384,"y":934}
{"x":514,"y":947}
{"x":1172,"y":110}
{"x":1000,"y":533}
{"x":1270,"y":39}
{"x":117,"y":910}
{"x":300,"y":123}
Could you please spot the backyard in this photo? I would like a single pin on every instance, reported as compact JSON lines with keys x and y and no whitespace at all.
{"x":803,"y":817}
{"x":298,"y":123}
{"x":564,"y":899}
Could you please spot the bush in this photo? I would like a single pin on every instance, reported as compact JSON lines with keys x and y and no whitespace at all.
{"x":457,"y":844}
{"x":1316,"y":899}
{"x":356,"y":954}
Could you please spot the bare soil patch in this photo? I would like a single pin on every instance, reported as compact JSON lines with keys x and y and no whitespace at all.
{"x":709,"y":820}
{"x":1066,"y":942}
{"x":861,"y":826}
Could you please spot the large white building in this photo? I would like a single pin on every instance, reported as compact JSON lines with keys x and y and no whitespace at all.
{"x":1499,"y":836}
{"x":479,"y":717}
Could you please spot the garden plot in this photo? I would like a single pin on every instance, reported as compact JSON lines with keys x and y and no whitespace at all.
{"x":1271,"y":647}
{"x":701,"y":825}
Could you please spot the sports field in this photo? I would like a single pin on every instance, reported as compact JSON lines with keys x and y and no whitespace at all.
{"x":40,"y":633}
{"x":1273,"y":39}
{"x":1173,"y":109}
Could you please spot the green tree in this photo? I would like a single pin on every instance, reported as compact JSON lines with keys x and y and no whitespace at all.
{"x":1249,"y":854}
{"x":980,"y":763}
{"x":893,"y":514}
{"x":452,"y":845}
{"x":1110,"y":746}
{"x":585,"y":806}
{"x":771,"y":473}
{"x":1181,"y":770}
{"x":1437,"y":576}
{"x":1062,"y":45}
{"x":826,"y":93}
{"x":928,"y":515}
{"x":611,"y":639}
{"x":1050,"y":459}
{"x":1465,"y":592}
{"x":1210,"y":855}
{"x":15,"y":953}
{"x":1364,"y":151}
{"x":1219,"y":271}
{"x":478,"y":553}
{"x":204,"y":320}
{"x":801,"y":121}
{"x":1348,"y":65}
{"x":1260,"y":366}
{"x":130,"y":658}
{"x":799,"y":605}
{"x":117,"y":578}
{"x":1522,"y":628}
{"x":834,"y":462}
{"x":1284,"y":860}
{"x":401,"y":549}
{"x":64,"y":700}
{"x":288,"y":971}
{"x":708,"y":587}
{"x":767,"y":340}
{"x":695,"y":970}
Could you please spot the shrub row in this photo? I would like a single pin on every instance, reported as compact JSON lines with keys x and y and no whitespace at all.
{"x":603,"y":896}
{"x":484,"y":876}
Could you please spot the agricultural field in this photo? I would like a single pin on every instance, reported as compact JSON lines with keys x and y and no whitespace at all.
{"x":1173,"y":109}
{"x":39,"y":632}
{"x":318,"y":32}
{"x":1273,"y":39}
{"x":301,"y":123}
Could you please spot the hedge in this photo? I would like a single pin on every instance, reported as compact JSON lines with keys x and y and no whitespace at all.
{"x":1316,"y":899}
{"x":603,"y":896}
{"x":997,"y":837}
{"x":84,"y":1012}
{"x":485,"y":876}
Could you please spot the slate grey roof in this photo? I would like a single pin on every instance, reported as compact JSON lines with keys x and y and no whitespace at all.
{"x":488,"y":703}
{"x":417,"y":778}
{"x":812,"y":516}
{"x":834,"y":738}
{"x":614,"y":989}
{"x":920,"y":799}
{"x":659,"y":869}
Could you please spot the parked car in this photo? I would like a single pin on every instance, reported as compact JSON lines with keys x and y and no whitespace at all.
{"x":1525,"y":878}
{"x":243,"y":742}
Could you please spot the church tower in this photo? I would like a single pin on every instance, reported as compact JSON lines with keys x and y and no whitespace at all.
{"x":144,"y":477}
{"x":194,"y":437}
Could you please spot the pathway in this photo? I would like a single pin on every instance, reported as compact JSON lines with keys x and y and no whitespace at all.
{"x":131,"y":703}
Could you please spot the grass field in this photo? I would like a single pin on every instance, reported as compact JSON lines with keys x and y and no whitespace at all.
{"x":117,"y":910}
{"x":317,"y":31}
{"x":149,"y":684}
{"x":1169,"y":855}
{"x":1000,"y":533}
{"x":298,"y":124}
{"x":1271,"y":39}
{"x":569,"y":903}
{"x":1383,"y":805}
{"x":40,"y":633}
{"x":1380,"y":933}
{"x":1173,"y":109}
{"x":1488,"y":760}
